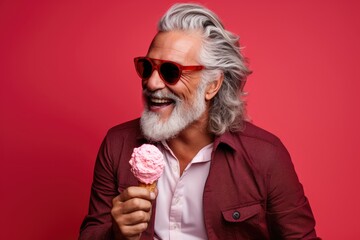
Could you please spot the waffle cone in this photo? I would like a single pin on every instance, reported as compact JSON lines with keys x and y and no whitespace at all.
{"x":150,"y":187}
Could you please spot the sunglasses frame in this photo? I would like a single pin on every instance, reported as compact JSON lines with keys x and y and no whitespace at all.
{"x":158,"y":67}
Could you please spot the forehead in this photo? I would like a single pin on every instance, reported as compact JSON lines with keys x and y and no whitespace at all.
{"x":178,"y":46}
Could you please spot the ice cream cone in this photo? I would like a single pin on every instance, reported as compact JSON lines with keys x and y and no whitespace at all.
{"x":150,"y":187}
{"x":147,"y":164}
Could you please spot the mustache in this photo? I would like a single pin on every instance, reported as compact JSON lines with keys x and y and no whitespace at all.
{"x":161,"y":94}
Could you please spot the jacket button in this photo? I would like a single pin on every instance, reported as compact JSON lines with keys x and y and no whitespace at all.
{"x":236,"y":215}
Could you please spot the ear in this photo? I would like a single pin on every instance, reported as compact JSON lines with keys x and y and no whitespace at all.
{"x":214,"y":87}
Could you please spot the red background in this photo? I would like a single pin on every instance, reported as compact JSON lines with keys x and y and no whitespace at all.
{"x":67,"y":76}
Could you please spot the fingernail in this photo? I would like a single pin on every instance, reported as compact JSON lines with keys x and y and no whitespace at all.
{"x":152,"y":195}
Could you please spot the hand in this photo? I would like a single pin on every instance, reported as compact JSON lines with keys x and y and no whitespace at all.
{"x":131,"y":212}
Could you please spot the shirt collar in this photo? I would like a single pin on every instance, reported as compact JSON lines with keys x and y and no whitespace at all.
{"x":204,"y":155}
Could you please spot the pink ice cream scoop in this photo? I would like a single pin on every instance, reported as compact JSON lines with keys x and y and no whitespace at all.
{"x":147,"y":164}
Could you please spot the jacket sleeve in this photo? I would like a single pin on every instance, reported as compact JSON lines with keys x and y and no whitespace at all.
{"x":288,"y":210}
{"x":98,"y":222}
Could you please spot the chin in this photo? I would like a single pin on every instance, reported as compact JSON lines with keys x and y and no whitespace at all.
{"x":159,"y":127}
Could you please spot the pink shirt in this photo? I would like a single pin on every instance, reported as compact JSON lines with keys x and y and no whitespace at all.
{"x":179,"y":211}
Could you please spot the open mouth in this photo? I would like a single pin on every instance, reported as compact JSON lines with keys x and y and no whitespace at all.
{"x":159,"y":102}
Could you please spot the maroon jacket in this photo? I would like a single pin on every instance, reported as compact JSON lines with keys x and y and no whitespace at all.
{"x":252,"y":191}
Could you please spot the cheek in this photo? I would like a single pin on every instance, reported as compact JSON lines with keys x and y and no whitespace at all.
{"x":187,"y":97}
{"x":185,"y":90}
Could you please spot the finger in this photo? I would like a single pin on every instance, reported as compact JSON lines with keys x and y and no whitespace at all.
{"x":156,"y":191}
{"x":136,"y":204}
{"x":117,"y":205}
{"x":129,"y":193}
{"x":133,"y":230}
{"x":135,"y":218}
{"x":132,"y":205}
{"x":116,"y":200}
{"x":135,"y":192}
{"x":132,"y":224}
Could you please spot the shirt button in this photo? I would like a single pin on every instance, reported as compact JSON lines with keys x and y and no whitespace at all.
{"x":175,"y":226}
{"x":236,"y":215}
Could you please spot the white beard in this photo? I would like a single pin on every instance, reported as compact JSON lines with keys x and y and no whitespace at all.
{"x":183,"y":114}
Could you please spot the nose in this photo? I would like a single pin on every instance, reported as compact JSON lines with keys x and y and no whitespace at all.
{"x":154,"y":82}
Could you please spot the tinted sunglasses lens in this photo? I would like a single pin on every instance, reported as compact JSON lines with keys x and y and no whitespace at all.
{"x":144,"y":68}
{"x":170,"y":72}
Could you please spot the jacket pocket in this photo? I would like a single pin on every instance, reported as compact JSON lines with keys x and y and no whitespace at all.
{"x":245,"y":222}
{"x":240,"y":214}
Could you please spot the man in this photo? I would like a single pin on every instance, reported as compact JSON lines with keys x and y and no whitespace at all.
{"x":224,"y":178}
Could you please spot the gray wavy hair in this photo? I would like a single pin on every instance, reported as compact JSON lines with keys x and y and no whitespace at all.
{"x":220,"y":54}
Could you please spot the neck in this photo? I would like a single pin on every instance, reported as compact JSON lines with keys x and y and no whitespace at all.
{"x":190,"y":141}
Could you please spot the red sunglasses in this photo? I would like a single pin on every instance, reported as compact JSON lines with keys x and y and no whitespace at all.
{"x":170,"y":72}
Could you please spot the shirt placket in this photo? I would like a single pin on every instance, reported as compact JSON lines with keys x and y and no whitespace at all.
{"x":176,"y":204}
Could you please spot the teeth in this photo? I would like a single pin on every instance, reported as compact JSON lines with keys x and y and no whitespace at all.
{"x":159,"y":100}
